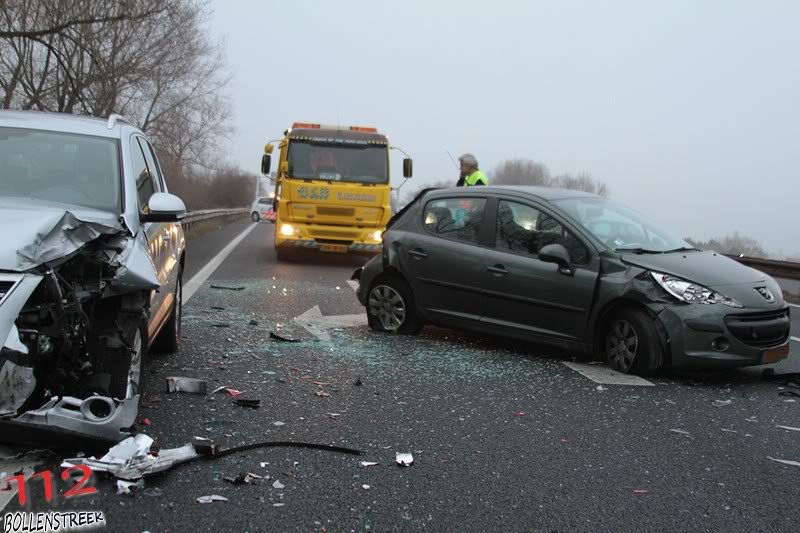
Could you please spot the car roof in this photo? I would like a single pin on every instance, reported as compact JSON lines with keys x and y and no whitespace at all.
{"x":61,"y":122}
{"x":542,"y":193}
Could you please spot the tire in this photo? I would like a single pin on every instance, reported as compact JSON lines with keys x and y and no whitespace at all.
{"x":126,"y":380}
{"x":255,"y":216}
{"x":631,"y":343}
{"x":391,"y":307}
{"x":169,"y":339}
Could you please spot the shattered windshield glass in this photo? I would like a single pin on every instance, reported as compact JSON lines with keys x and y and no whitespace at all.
{"x":60,"y":167}
{"x":348,"y":160}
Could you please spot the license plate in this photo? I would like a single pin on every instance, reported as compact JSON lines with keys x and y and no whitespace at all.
{"x":774,"y":355}
{"x":334,"y":248}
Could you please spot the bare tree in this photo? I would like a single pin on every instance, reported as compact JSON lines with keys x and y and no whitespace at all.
{"x":733,"y":244}
{"x":581,"y":182}
{"x":521,"y":172}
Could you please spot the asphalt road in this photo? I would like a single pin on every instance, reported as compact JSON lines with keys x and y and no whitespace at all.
{"x":504,"y":437}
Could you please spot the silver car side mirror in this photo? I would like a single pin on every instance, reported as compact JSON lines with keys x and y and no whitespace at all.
{"x":164,"y":207}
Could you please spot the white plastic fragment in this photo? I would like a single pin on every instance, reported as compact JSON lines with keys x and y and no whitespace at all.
{"x":784,"y":461}
{"x":722,"y":403}
{"x":789,"y":428}
{"x":365,"y":487}
{"x":279,"y":424}
{"x":181,"y":384}
{"x":211,"y":499}
{"x":680,"y":431}
{"x":365,"y":464}
{"x":404,"y":459}
{"x":126,"y":487}
{"x":601,"y":388}
{"x":278,"y":485}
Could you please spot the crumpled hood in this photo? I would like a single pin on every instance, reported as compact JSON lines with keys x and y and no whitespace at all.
{"x":707,"y":268}
{"x":36,"y":232}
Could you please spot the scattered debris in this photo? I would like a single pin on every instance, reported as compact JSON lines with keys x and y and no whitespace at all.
{"x":131,"y":459}
{"x":729,"y":430}
{"x":275,"y":336}
{"x":404,"y":459}
{"x":321,"y":393}
{"x":231,"y":392}
{"x":671,"y":402}
{"x":128,"y":487}
{"x":220,"y":325}
{"x":153,"y":492}
{"x":278,"y":485}
{"x":334,"y":415}
{"x":252,"y":323}
{"x":245,"y":478}
{"x":722,"y":403}
{"x":520,"y":413}
{"x":358,"y":383}
{"x":278,"y":423}
{"x":641,"y":491}
{"x":601,"y":388}
{"x":365,"y":487}
{"x":180,"y":384}
{"x":264,"y":465}
{"x":789,"y":428}
{"x":224,"y":288}
{"x":787,"y":393}
{"x":784,"y":461}
{"x":278,"y":504}
{"x":681,"y":432}
{"x":253,"y":404}
{"x":211,"y":499}
{"x":365,"y":464}
{"x":216,"y":307}
{"x":146,"y":422}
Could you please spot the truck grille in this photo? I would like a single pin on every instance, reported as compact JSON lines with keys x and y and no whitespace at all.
{"x":336,"y":211}
{"x":335,"y":234}
{"x":760,"y":329}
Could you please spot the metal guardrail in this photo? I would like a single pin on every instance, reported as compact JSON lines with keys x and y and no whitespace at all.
{"x":195,"y":218}
{"x":776,"y":269}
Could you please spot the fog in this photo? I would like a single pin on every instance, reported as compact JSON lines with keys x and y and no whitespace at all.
{"x":688,"y":111}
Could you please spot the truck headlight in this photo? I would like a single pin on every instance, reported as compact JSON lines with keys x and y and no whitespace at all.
{"x":377,"y":236}
{"x":287,"y":230}
{"x":692,"y":292}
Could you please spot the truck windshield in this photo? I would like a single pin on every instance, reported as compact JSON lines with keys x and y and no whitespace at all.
{"x":60,"y":167}
{"x":339,"y":161}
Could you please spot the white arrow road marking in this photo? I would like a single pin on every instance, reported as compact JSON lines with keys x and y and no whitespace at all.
{"x":318,"y":325}
{"x":796,"y":339}
{"x":606,"y":376}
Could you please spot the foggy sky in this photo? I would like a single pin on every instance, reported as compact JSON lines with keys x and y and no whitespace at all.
{"x":687,"y":110}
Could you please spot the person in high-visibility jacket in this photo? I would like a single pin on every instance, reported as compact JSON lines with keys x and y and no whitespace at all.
{"x":470,"y":175}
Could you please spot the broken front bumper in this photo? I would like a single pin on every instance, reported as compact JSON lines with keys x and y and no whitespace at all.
{"x":720,"y":337}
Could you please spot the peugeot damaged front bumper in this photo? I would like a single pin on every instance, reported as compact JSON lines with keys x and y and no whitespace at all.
{"x":717,"y":336}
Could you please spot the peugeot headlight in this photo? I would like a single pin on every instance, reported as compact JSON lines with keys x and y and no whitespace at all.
{"x":692,"y":292}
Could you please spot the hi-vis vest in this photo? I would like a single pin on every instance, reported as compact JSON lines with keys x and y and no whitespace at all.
{"x":476,"y":178}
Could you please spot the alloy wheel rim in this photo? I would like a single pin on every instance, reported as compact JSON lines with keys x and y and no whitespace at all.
{"x":621,"y":345}
{"x":135,"y":370}
{"x":388,"y":306}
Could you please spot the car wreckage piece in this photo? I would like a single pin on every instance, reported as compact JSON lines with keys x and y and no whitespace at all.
{"x":74,"y":305}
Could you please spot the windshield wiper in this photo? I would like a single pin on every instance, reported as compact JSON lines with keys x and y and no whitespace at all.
{"x":682,"y":249}
{"x":638,"y":251}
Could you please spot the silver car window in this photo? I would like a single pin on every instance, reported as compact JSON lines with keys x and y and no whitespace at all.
{"x":60,"y":167}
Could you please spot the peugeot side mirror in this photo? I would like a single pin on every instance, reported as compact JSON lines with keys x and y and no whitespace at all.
{"x":556,"y":253}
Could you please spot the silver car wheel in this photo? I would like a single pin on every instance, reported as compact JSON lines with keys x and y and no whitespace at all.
{"x":621,"y":345}
{"x":135,"y":370}
{"x":388,"y":306}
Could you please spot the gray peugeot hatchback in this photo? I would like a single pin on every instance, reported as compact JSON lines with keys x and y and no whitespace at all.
{"x":574,"y":270}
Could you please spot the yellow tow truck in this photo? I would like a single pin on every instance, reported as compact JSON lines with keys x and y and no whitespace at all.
{"x":332,"y":188}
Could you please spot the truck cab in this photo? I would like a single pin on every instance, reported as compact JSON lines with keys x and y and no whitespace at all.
{"x":332,"y":190}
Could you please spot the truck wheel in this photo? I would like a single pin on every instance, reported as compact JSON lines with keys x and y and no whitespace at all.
{"x":391,"y":308}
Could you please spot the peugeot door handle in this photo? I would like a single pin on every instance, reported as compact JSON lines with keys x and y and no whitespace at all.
{"x":500,"y":270}
{"x":418,"y":253}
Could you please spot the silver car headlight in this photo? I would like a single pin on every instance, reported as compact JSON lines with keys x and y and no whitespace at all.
{"x":692,"y":292}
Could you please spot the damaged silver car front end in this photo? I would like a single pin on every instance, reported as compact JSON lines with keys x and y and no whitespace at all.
{"x":74,"y":306}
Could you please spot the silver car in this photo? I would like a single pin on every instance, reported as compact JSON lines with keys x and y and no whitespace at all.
{"x":90,"y":273}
